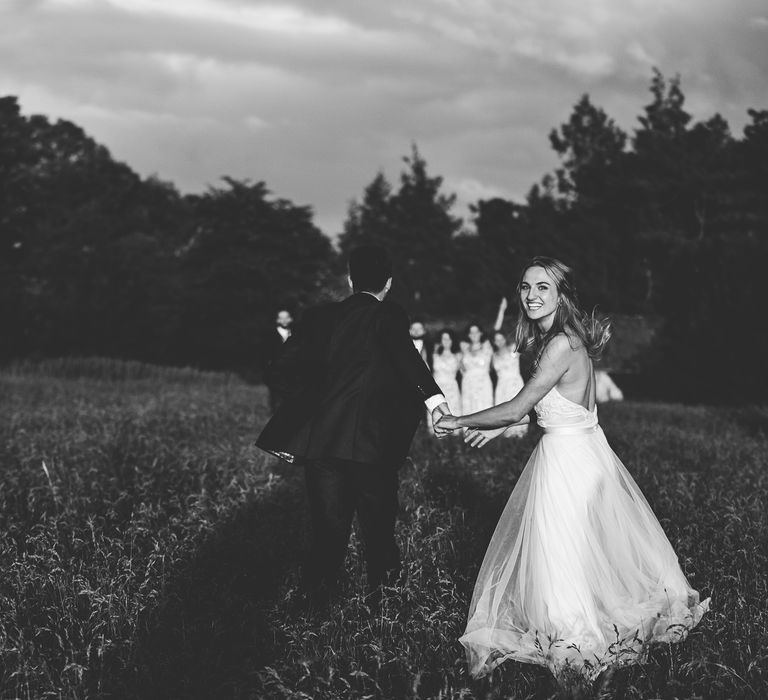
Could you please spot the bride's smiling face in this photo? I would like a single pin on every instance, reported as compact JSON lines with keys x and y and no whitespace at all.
{"x":538,"y":295}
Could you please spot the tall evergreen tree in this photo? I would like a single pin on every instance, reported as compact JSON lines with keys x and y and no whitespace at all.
{"x":416,"y":225}
{"x":370,"y":221}
{"x":590,"y":146}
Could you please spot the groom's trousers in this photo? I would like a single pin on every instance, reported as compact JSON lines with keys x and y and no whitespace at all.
{"x":336,"y":490}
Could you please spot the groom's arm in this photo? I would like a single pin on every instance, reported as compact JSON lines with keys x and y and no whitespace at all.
{"x":397,"y":340}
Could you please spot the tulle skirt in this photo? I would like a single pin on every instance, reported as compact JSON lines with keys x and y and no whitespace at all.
{"x":579,"y":575}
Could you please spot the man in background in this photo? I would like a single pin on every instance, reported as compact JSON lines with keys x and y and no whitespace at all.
{"x":421,"y":341}
{"x":271,"y":349}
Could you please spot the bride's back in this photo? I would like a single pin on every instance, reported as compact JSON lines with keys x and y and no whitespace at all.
{"x":577,"y":383}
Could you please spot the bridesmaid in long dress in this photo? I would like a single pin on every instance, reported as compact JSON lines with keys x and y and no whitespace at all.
{"x":506,"y":364}
{"x":476,"y":384}
{"x":509,"y":381}
{"x":445,"y":367}
{"x":579,"y":576}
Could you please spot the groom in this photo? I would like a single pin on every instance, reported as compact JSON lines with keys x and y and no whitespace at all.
{"x":357,"y":389}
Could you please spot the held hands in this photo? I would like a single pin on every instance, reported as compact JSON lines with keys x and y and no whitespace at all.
{"x":447,"y":424}
{"x":437,"y":414}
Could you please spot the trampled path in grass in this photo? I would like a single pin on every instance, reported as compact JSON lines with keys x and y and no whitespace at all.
{"x":148,"y":550}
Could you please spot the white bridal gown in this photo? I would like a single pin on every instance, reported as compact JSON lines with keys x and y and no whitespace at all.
{"x":579,"y":574}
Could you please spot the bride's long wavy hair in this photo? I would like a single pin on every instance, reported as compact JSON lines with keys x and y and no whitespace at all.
{"x":570,"y":318}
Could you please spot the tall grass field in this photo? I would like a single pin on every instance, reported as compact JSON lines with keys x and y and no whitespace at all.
{"x":148,"y":550}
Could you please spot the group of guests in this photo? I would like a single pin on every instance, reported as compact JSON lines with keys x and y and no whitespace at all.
{"x":473,"y":371}
{"x":464,"y":368}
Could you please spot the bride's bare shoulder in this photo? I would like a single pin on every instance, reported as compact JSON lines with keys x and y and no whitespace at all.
{"x":557,"y":351}
{"x":561,"y":344}
{"x":565,"y":351}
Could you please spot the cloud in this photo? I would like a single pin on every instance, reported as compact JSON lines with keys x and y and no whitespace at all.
{"x":314,"y":98}
{"x":282,"y":19}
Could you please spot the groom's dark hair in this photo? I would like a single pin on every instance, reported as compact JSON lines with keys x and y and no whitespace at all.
{"x":369,"y":268}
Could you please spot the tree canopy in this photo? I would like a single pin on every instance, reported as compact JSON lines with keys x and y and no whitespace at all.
{"x":669,"y":220}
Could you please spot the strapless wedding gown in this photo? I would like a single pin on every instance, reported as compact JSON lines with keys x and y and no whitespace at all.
{"x":579,"y":575}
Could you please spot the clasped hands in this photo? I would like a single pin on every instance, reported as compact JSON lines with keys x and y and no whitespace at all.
{"x":445,"y":424}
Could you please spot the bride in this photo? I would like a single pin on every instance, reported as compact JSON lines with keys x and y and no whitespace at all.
{"x":579,"y":575}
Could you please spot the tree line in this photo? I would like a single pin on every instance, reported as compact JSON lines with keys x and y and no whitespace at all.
{"x":670,"y":220}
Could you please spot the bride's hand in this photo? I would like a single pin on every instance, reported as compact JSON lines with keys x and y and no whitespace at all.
{"x":480,"y":438}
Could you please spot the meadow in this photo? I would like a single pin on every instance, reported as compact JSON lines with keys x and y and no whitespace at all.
{"x":148,"y":550}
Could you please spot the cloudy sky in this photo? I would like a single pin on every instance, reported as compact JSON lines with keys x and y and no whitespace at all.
{"x":315,"y":97}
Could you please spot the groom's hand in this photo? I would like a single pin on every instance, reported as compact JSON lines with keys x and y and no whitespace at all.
{"x":446,"y":425}
{"x":437,"y":414}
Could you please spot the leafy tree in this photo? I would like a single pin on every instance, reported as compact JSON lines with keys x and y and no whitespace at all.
{"x":416,"y":225}
{"x":507,"y":236}
{"x":249,"y":254}
{"x":370,"y":221}
{"x":96,"y":260}
{"x":578,"y":214}
{"x":660,"y":166}
{"x":665,"y":119}
{"x":589,"y":145}
{"x":672,"y":221}
{"x":751,"y":165}
{"x":71,"y":217}
{"x":15,"y":157}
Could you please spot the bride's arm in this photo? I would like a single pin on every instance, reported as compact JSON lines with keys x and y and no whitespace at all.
{"x":472,"y":434}
{"x":480,"y":438}
{"x":552,"y":366}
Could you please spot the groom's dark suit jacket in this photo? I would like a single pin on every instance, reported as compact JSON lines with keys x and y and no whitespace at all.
{"x":356,"y":385}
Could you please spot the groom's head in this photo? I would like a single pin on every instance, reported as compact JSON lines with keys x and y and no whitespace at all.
{"x":370,"y":270}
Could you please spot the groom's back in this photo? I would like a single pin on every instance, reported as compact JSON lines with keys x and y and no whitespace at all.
{"x":361,"y":385}
{"x":356,"y":363}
